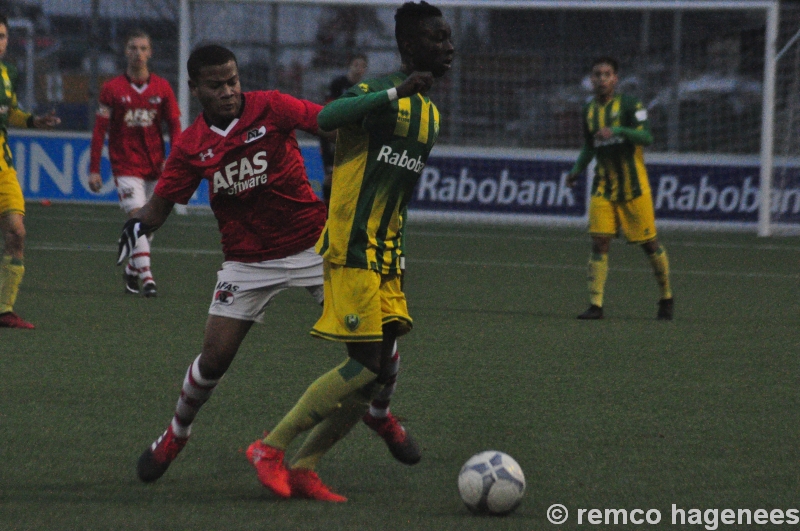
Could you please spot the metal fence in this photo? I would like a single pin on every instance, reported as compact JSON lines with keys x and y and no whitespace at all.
{"x":519,"y":79}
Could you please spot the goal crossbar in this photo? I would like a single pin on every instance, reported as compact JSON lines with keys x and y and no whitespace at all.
{"x":582,"y":5}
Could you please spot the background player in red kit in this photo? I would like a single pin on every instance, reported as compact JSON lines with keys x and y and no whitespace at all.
{"x":132,"y":108}
{"x":268,"y":214}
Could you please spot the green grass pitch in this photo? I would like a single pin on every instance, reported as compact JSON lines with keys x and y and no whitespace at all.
{"x":629,"y":412}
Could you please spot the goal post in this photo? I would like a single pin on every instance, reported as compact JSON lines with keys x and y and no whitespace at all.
{"x":768,"y":121}
{"x":499,"y":98}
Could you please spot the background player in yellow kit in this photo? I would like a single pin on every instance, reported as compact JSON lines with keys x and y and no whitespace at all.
{"x":12,"y":204}
{"x":616,"y":130}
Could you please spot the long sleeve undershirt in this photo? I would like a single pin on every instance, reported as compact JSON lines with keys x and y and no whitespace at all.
{"x":350,"y":110}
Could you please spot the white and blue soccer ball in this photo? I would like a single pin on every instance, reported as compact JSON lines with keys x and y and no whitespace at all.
{"x":491,"y":482}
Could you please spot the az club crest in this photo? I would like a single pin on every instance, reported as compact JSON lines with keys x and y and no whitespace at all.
{"x":351,"y":321}
{"x":223,"y":297}
{"x":254,"y":134}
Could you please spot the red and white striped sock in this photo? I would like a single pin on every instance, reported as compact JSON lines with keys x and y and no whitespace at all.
{"x":379,"y":408}
{"x":141,"y":259}
{"x":195,"y":392}
{"x":130,"y":269}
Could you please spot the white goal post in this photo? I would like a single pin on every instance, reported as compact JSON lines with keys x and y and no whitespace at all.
{"x":769,"y":8}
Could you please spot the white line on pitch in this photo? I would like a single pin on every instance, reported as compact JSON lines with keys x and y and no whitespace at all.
{"x":518,"y":265}
{"x":105,"y":248}
{"x":546,"y":238}
{"x":208,"y":221}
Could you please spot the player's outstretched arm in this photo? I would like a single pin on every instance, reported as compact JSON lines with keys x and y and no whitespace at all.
{"x":353,"y":109}
{"x":149,"y":218}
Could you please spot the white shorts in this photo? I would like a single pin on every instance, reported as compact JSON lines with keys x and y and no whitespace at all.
{"x":133,"y":192}
{"x":244,"y":290}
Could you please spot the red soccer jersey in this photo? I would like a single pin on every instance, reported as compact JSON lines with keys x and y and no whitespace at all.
{"x":132,"y":115}
{"x":257,"y":182}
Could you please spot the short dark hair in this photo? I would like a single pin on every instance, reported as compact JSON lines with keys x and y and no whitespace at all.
{"x":137,"y":33}
{"x":606,"y":60}
{"x":208,"y":55}
{"x":4,"y":20}
{"x":408,"y":17}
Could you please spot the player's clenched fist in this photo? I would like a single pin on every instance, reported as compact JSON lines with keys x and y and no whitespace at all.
{"x":415,"y":83}
{"x":95,"y":182}
{"x":572,"y":178}
{"x":131,"y":232}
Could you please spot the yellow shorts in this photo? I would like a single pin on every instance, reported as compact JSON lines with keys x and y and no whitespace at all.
{"x":11,"y":200}
{"x":358,"y":302}
{"x":635,"y":218}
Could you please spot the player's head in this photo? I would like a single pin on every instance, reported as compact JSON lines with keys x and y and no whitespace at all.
{"x":214,"y":81}
{"x":3,"y":35}
{"x":423,"y":38}
{"x":138,"y":49}
{"x":604,"y":77}
{"x":357,"y":67}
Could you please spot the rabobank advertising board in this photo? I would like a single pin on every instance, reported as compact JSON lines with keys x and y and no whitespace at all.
{"x":499,"y":183}
{"x":523,"y":185}
{"x":533,"y":184}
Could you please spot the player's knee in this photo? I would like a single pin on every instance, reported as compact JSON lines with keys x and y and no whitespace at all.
{"x":210,"y":369}
{"x":15,"y":239}
{"x":600,"y":245}
{"x":651,"y":246}
{"x":214,"y":362}
{"x":367,"y":354}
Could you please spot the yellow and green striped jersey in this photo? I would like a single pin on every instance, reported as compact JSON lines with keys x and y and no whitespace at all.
{"x":381,"y":148}
{"x":10,"y":113}
{"x":620,"y":174}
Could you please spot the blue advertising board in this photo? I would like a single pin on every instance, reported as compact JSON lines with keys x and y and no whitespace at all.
{"x":721,"y":192}
{"x":685,"y":188}
{"x":55,"y":166}
{"x":498,"y":186}
{"x":469,"y":182}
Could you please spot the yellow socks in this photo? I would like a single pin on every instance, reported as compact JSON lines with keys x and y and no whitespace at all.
{"x":321,"y":399}
{"x":331,"y":430}
{"x":11,"y":273}
{"x":660,"y":264}
{"x":597,"y":274}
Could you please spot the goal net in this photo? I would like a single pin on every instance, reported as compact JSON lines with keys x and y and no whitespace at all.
{"x":520,"y":77}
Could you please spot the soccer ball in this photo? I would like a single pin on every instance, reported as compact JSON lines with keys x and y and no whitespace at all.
{"x":491,"y":482}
